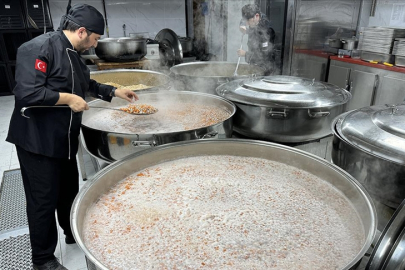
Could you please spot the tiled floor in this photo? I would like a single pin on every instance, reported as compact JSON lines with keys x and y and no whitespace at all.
{"x":70,"y":256}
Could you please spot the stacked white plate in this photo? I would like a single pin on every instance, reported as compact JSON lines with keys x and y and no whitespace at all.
{"x":379,"y":39}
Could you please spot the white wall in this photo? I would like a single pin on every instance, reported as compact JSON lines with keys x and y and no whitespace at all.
{"x":388,"y":13}
{"x":138,"y":15}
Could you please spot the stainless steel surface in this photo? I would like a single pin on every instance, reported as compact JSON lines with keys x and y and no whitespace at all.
{"x":362,"y":87}
{"x":350,"y":44}
{"x":379,"y":57}
{"x":207,"y":76}
{"x":170,"y":49}
{"x":390,"y":246}
{"x":315,"y":21}
{"x":378,"y":130}
{"x":335,"y":43}
{"x":283,"y":108}
{"x":391,"y":90}
{"x":112,"y":146}
{"x":121,"y":49}
{"x":125,"y":77}
{"x":290,"y":20}
{"x":377,"y":86}
{"x":282,"y":91}
{"x":186,"y":44}
{"x":108,"y":177}
{"x":400,"y":61}
{"x":339,"y":76}
{"x":382,"y":177}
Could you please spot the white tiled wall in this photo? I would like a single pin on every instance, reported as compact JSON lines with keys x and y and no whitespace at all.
{"x":137,"y":15}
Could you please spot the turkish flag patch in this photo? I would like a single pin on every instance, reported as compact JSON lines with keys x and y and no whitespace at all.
{"x":40,"y":65}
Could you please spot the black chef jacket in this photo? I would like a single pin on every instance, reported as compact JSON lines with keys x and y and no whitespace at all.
{"x":261,"y":45}
{"x":46,"y":66}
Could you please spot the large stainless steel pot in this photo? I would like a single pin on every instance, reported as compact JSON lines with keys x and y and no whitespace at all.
{"x":111,"y":146}
{"x":284,"y":108}
{"x":121,"y":49}
{"x":207,"y":76}
{"x":126,"y":77}
{"x":369,"y":143}
{"x":117,"y":171}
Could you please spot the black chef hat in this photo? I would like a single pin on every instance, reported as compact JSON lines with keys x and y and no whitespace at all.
{"x":86,"y":16}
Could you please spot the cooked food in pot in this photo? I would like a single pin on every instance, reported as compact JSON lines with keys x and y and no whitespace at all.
{"x":223,"y":212}
{"x":130,"y":87}
{"x":171,"y":117}
{"x":139,"y":109}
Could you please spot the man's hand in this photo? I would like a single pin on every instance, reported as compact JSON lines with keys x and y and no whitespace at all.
{"x":241,"y":53}
{"x":126,"y":94}
{"x":242,"y":28}
{"x":75,"y":102}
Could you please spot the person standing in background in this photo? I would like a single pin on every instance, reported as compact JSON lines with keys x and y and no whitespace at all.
{"x":49,"y":72}
{"x":260,"y":39}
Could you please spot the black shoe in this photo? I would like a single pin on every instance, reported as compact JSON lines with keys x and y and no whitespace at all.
{"x":50,"y":265}
{"x":70,"y":240}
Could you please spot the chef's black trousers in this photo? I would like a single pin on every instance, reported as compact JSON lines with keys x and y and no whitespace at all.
{"x":50,"y":184}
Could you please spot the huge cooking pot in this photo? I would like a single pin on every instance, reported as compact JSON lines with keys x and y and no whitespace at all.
{"x":104,"y":180}
{"x":369,"y":143}
{"x":111,"y":137}
{"x":207,"y":76}
{"x":132,"y":77}
{"x":121,"y":49}
{"x":284,"y":109}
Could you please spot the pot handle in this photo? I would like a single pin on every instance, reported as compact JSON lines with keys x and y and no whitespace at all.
{"x":209,"y":135}
{"x":137,"y":143}
{"x":319,"y":114}
{"x":277,"y":114}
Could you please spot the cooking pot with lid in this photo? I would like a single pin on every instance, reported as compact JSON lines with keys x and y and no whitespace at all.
{"x":104,"y":180}
{"x":205,"y":77}
{"x":369,"y":143}
{"x":284,"y":109}
{"x":121,"y":49}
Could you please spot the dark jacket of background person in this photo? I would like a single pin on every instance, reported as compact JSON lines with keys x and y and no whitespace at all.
{"x":261,"y":45}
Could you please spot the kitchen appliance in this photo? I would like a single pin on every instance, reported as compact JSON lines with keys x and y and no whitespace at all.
{"x":104,"y":180}
{"x":207,"y":76}
{"x":107,"y":144}
{"x":369,"y":144}
{"x":284,"y":109}
{"x":350,"y":44}
{"x":121,"y":49}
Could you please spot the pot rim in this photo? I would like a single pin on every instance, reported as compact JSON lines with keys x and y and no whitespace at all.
{"x":232,"y":113}
{"x":365,"y":146}
{"x":178,"y":145}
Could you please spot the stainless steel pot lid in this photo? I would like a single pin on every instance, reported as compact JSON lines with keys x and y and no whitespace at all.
{"x":169,"y":46}
{"x":378,"y":130}
{"x":389,"y":252}
{"x":284,"y":91}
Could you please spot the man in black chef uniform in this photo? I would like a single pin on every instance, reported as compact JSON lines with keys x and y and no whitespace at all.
{"x":49,"y":72}
{"x":260,"y":39}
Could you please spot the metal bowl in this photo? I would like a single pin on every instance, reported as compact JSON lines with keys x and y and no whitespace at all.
{"x":207,"y":76}
{"x":108,"y":177}
{"x":121,"y":49}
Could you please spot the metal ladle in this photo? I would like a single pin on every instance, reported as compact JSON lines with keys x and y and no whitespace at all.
{"x":22,"y":111}
{"x":237,"y":65}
